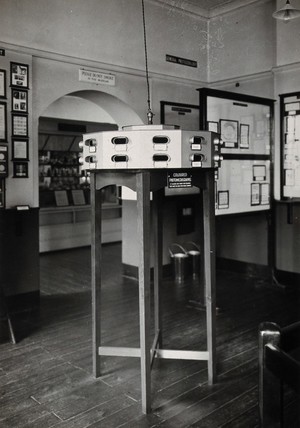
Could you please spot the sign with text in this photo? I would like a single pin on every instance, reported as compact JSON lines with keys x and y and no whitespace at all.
{"x":181,"y":61}
{"x":179,"y":180}
{"x":97,"y":77}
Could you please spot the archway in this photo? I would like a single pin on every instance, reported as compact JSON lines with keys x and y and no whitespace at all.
{"x":64,"y":204}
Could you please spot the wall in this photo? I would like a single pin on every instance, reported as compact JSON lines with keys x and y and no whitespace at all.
{"x":59,"y":38}
{"x":107,"y":32}
{"x":245,"y":46}
{"x":242,"y":42}
{"x":19,"y":191}
{"x":254,"y":54}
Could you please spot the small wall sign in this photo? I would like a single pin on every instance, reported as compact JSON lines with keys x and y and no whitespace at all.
{"x":97,"y":77}
{"x":181,"y":61}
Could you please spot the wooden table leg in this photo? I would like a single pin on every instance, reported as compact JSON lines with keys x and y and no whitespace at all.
{"x":96,"y":258}
{"x":157,"y":233}
{"x":143,"y":225}
{"x":209,"y":271}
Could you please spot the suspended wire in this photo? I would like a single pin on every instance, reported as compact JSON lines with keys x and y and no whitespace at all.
{"x":149,"y":114}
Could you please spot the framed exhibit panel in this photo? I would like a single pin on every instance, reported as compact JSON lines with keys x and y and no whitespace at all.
{"x":3,"y":122}
{"x":20,"y":149}
{"x":243,"y":185}
{"x":19,"y":101}
{"x":2,"y":83}
{"x":19,"y":75}
{"x":290,"y":146}
{"x":245,"y":123}
{"x":185,"y":116}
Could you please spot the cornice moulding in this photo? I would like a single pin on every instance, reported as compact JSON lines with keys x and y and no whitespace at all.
{"x":189,"y":7}
{"x":183,"y":6}
{"x":240,"y":79}
{"x":97,"y":65}
{"x":295,"y":66}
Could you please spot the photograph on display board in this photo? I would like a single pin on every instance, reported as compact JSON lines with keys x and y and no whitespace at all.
{"x":223,"y":199}
{"x":244,"y":136}
{"x":19,"y":101}
{"x":255,"y":194}
{"x":213,"y":126}
{"x":259,"y":173}
{"x":20,"y":170}
{"x":265,"y":193}
{"x":2,"y":83}
{"x":19,"y":75}
{"x":19,"y":125}
{"x":20,"y":149}
{"x":3,"y":127}
{"x":229,"y":133}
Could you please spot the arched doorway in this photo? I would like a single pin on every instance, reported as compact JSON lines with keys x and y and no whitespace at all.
{"x":64,"y":194}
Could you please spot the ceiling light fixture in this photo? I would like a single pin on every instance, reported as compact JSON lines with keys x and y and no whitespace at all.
{"x":287,"y":12}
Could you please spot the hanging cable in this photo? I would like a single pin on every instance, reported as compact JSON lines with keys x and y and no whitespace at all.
{"x":149,"y":113}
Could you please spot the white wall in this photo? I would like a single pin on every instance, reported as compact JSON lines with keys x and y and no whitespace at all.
{"x":246,"y":46}
{"x":288,"y":38}
{"x":109,"y":32}
{"x":242,"y":42}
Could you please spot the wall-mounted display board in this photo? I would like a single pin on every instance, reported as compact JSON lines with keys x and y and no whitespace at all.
{"x":290,"y":145}
{"x":185,"y":116}
{"x":244,"y":180}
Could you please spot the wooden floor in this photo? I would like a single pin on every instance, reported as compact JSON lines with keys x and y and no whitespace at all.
{"x":46,"y":380}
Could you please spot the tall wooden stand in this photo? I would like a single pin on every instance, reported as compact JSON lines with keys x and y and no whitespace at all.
{"x":144,"y":182}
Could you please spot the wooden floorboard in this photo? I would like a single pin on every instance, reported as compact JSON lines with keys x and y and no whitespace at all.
{"x":46,"y":378}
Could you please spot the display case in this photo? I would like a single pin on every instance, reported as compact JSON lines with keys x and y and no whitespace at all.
{"x":59,"y":174}
{"x":64,"y":189}
{"x":290,"y":146}
{"x":243,"y":182}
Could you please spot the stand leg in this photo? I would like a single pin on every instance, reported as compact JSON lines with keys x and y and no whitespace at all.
{"x":143,"y":208}
{"x":157,"y":232}
{"x":209,"y":271}
{"x":96,"y":251}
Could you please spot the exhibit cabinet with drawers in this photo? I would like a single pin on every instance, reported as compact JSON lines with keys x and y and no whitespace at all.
{"x":64,"y":191}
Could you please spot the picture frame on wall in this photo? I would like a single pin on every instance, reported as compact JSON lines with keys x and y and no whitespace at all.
{"x":244,"y":135}
{"x":229,"y":133}
{"x":20,"y":170}
{"x":3,"y":122}
{"x":2,"y":83}
{"x":213,"y":126}
{"x":19,"y":125}
{"x":19,"y":75}
{"x":19,"y":101}
{"x":20,"y":149}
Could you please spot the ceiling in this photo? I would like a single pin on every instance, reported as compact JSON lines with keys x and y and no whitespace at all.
{"x":206,"y":8}
{"x":210,"y":4}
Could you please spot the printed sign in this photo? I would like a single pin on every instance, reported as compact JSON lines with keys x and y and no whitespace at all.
{"x":97,"y":77}
{"x":179,"y":180}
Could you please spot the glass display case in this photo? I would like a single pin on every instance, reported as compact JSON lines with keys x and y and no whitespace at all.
{"x":243,"y":181}
{"x":64,"y":189}
{"x":290,"y":146}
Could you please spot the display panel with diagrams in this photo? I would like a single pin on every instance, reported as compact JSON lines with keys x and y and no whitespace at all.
{"x":243,"y":182}
{"x":290,"y":145}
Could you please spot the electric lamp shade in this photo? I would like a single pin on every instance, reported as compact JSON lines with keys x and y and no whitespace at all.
{"x":286,"y":13}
